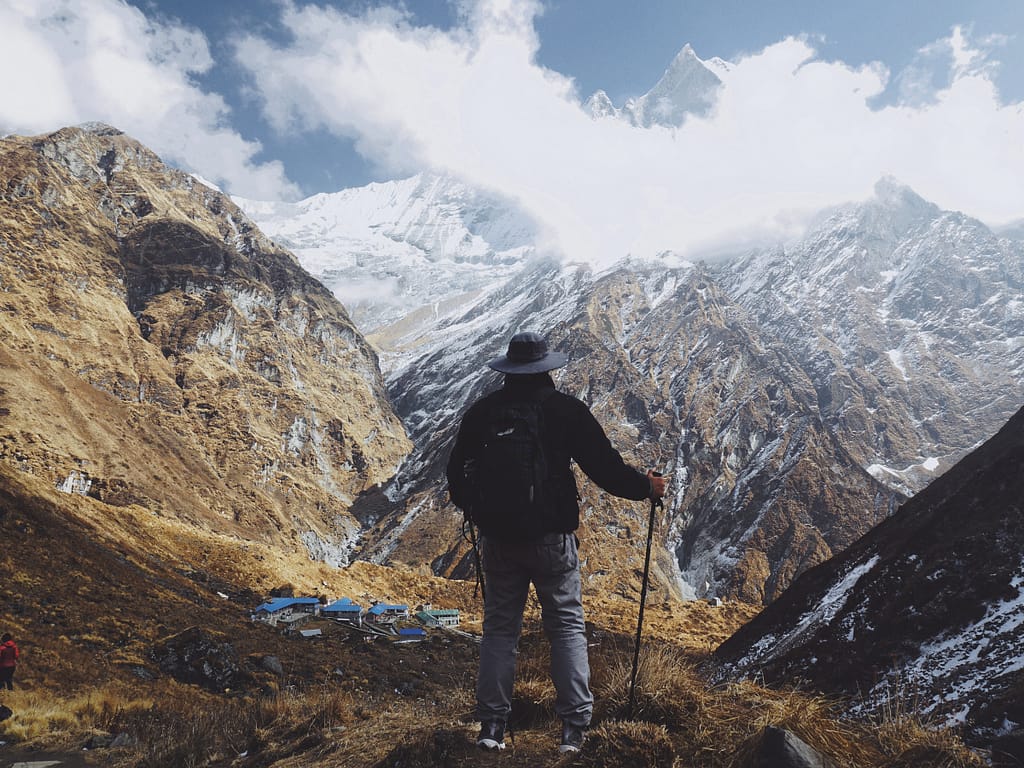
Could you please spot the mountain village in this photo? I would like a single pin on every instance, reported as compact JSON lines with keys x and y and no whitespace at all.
{"x":291,"y":614}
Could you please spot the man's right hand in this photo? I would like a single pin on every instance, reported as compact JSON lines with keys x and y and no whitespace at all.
{"x":658,"y":483}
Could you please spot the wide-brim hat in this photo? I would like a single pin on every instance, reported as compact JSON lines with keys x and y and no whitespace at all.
{"x":528,"y":353}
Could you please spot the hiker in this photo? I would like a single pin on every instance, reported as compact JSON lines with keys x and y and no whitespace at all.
{"x":533,"y":538}
{"x":8,"y":661}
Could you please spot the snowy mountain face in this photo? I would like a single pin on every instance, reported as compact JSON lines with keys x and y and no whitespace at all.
{"x":688,"y":87}
{"x":387,"y":249}
{"x":798,"y":393}
{"x":394,"y":250}
{"x":680,"y":380}
{"x":927,"y":607}
{"x":908,"y":320}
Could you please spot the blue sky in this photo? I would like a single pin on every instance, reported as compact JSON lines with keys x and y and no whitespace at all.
{"x":616,"y":46}
{"x":279,"y":100}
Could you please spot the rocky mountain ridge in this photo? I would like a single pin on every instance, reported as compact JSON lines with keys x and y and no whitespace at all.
{"x":670,"y":366}
{"x":926,"y":607}
{"x":909,"y":322}
{"x":159,"y":351}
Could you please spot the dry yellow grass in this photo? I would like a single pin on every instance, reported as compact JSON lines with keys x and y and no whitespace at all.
{"x":680,"y":719}
{"x":392,"y":705}
{"x":45,"y":716}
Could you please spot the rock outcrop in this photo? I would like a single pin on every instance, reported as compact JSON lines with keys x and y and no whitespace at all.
{"x":198,"y":657}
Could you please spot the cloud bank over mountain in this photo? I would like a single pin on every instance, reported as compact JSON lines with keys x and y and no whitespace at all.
{"x":68,"y":62}
{"x":788,"y":133}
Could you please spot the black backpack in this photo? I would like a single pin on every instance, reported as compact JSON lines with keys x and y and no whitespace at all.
{"x":511,"y":471}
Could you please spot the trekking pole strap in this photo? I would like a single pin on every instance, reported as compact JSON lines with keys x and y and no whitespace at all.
{"x":479,"y":564}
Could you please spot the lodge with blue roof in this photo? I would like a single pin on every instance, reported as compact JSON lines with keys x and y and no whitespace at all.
{"x":343,"y":610}
{"x":439,"y":617}
{"x":385,"y":613}
{"x":286,"y":610}
{"x":412,"y":633}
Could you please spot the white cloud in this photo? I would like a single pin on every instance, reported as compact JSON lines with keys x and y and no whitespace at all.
{"x":70,"y":61}
{"x":789,"y":135}
{"x":937,"y":65}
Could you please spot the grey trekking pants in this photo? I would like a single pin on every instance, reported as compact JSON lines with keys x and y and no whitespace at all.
{"x":552,"y":564}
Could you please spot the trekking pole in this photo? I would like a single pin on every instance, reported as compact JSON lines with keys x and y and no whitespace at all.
{"x":655,"y":505}
{"x":479,"y":565}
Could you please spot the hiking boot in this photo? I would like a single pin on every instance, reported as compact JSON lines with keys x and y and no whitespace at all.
{"x":492,"y":735}
{"x":573,"y":737}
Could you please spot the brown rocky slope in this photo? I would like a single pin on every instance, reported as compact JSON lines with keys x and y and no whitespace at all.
{"x":158,"y":350}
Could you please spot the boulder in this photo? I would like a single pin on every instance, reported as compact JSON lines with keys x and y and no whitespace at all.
{"x":780,"y":748}
{"x":201,"y":658}
{"x":273,"y":665}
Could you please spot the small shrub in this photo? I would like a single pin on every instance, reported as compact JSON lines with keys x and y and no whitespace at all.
{"x":176,"y":739}
{"x":668,"y":691}
{"x":906,"y":739}
{"x":46,"y":715}
{"x":629,"y":745}
{"x":533,"y":702}
{"x":431,"y":749}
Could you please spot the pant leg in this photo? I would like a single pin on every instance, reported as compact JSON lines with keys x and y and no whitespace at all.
{"x":6,"y":678}
{"x":559,"y":588}
{"x":506,"y":585}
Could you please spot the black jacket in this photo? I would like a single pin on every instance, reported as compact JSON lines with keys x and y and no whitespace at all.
{"x":571,"y":432}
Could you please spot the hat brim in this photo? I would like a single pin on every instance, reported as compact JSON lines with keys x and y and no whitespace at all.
{"x":549,"y":362}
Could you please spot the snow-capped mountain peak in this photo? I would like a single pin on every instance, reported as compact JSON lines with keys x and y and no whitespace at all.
{"x":687,"y":87}
{"x":600,"y":105}
{"x":389,"y":248}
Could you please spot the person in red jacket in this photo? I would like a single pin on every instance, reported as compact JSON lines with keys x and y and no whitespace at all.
{"x":8,"y":661}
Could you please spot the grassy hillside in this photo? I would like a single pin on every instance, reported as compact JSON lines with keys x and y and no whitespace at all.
{"x":91,"y":591}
